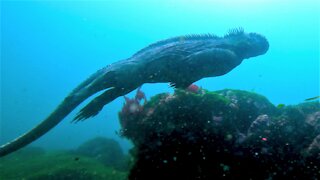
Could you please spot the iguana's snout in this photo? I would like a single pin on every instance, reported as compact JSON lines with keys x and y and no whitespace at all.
{"x":259,"y":44}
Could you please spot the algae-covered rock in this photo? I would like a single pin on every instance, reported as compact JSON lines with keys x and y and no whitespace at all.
{"x":248,"y":107}
{"x":56,"y":166}
{"x":224,"y":134}
{"x":181,"y":112}
{"x":106,"y":151}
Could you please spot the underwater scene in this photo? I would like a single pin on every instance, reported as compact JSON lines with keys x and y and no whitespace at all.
{"x":159,"y":89}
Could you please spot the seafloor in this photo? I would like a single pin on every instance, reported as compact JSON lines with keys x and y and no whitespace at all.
{"x":190,"y":134}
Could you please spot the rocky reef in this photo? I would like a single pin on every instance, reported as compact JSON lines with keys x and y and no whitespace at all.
{"x":96,"y":159}
{"x":227,"y":134}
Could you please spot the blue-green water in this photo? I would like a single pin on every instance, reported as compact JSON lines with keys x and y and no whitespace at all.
{"x":49,"y":47}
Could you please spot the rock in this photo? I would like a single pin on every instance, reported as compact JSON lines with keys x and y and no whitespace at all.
{"x":224,"y":134}
{"x":314,"y":149}
{"x":106,"y":151}
{"x":314,"y":120}
{"x":249,"y":106}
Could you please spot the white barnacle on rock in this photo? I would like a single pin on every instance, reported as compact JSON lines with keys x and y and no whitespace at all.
{"x":314,"y":147}
{"x":314,"y":120}
{"x":259,"y":123}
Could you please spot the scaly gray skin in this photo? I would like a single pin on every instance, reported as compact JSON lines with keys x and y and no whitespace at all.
{"x":179,"y":61}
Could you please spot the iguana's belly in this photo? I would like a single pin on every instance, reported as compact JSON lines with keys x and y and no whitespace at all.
{"x":165,"y":70}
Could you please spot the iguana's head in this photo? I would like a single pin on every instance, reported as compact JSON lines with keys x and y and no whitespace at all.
{"x":246,"y":45}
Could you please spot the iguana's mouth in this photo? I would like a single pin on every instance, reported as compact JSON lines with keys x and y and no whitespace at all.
{"x":260,"y":42}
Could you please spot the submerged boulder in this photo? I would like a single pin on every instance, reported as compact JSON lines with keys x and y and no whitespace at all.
{"x":222,"y":134}
{"x":248,"y":106}
{"x":107,"y":151}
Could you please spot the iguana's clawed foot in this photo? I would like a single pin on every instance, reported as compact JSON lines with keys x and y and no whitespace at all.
{"x":88,"y":111}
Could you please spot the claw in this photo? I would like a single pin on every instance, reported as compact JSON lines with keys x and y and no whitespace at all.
{"x":85,"y":113}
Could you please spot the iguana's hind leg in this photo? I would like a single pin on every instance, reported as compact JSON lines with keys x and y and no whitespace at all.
{"x":95,"y":106}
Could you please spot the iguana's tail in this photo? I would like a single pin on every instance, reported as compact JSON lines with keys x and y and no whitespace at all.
{"x":89,"y":87}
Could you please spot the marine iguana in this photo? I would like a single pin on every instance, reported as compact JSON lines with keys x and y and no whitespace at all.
{"x":180,"y":61}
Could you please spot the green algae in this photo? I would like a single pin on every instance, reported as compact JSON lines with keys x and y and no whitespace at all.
{"x":55,"y":165}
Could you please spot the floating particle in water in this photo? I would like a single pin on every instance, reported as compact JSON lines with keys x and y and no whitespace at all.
{"x":174,"y":158}
{"x":264,"y":139}
{"x":228,"y":137}
{"x":165,"y":161}
{"x":225,"y":167}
